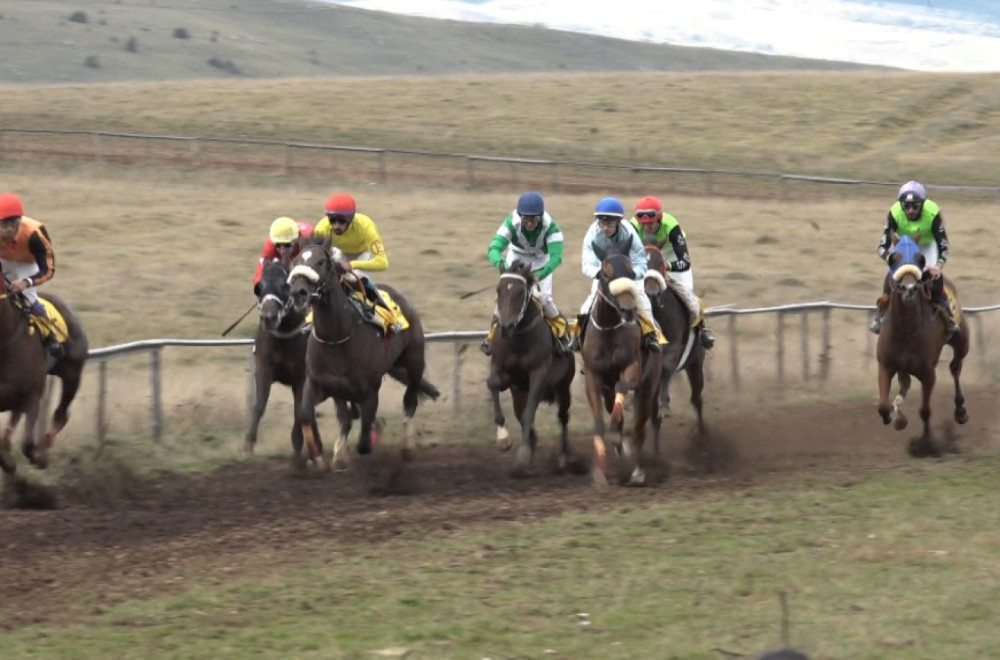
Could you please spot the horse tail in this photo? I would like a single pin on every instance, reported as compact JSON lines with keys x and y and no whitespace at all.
{"x":426,"y":389}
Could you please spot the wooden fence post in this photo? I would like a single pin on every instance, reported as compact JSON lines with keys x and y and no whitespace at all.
{"x":734,"y":358}
{"x":157,"y":393}
{"x":779,"y":353}
{"x":102,"y":401}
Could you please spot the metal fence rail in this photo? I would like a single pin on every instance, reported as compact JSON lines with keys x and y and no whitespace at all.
{"x":461,"y":339}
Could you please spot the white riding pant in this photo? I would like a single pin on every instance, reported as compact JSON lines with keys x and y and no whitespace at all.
{"x":19,"y":270}
{"x":642,"y":304}
{"x":543,"y":288}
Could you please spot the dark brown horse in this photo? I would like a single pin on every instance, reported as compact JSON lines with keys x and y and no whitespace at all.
{"x":684,"y":352}
{"x":24,"y":366}
{"x":615,"y":363}
{"x":909,"y":345}
{"x":279,"y":350}
{"x":347,"y":357}
{"x":524,"y":360}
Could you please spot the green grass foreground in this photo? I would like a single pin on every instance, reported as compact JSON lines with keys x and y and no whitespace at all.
{"x":898,"y":564}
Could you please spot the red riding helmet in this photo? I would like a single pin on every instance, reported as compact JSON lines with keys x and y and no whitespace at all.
{"x":647,"y":205}
{"x":341,"y":204}
{"x":10,"y":206}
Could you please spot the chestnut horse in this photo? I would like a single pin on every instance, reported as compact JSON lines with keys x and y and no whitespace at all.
{"x":615,"y":363}
{"x":913,"y":334}
{"x":347,"y":357}
{"x":684,"y":350}
{"x":24,"y":366}
{"x":524,"y":360}
{"x":279,"y":350}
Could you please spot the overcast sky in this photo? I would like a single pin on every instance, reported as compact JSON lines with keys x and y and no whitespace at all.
{"x":908,"y":36}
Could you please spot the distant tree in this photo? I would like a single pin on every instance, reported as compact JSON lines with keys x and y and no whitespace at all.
{"x":214,"y":37}
{"x":92,"y":62}
{"x":132,"y":45}
{"x":226,"y":65}
{"x":181,"y":33}
{"x":78,"y":17}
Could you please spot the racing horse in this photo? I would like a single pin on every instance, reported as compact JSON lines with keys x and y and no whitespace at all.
{"x":24,"y":367}
{"x":615,"y":363}
{"x":525,"y":361}
{"x":684,"y":352}
{"x":914,"y":332}
{"x":279,"y":351}
{"x":347,"y":356}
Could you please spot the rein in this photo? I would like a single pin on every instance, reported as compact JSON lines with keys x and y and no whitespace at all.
{"x":613,"y":306}
{"x":323,"y":288}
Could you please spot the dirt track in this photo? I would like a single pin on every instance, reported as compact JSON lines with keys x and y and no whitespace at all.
{"x":118,"y":539}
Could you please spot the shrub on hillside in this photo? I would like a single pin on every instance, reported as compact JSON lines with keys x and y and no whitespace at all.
{"x":132,"y":45}
{"x":181,"y":33}
{"x":92,"y":62}
{"x":78,"y":17}
{"x":226,"y":65}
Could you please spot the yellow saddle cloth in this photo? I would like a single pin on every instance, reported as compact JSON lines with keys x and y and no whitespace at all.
{"x":56,"y":323}
{"x":956,"y":309}
{"x":557,"y":324}
{"x":392,"y":318}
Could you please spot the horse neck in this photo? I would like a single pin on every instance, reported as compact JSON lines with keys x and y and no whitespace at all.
{"x":673,"y":312}
{"x":908,"y":318}
{"x":333,"y":314}
{"x":604,"y":314}
{"x":11,"y":319}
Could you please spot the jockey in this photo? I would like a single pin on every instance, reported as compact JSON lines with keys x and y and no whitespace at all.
{"x":284,"y":241}
{"x":532,"y":236}
{"x":659,"y":228}
{"x":356,"y":235}
{"x":27,"y":260}
{"x":608,"y":233}
{"x":913,"y":215}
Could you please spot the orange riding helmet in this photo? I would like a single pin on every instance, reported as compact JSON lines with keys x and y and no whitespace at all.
{"x":649,"y":210}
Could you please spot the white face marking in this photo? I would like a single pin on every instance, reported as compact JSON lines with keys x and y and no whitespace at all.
{"x":307,"y":255}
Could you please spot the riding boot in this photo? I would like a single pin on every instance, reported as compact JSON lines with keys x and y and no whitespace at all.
{"x":576,"y":341}
{"x":707,"y":336}
{"x":876,"y":325}
{"x":487,"y":346}
{"x":52,"y":343}
{"x":564,"y":342}
{"x":949,"y":318}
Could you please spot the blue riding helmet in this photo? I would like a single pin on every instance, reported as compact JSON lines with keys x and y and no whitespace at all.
{"x":531,"y":203}
{"x":610,"y":206}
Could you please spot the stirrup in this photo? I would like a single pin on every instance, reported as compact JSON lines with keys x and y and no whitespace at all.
{"x":651,"y":342}
{"x":707,"y":338}
{"x":876,"y":325}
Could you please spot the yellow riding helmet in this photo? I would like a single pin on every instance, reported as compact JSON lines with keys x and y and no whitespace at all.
{"x":284,"y":230}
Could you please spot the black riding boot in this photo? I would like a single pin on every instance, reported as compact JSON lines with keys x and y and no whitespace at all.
{"x":941,"y":300}
{"x":576,"y":341}
{"x":707,"y":336}
{"x":651,"y":342}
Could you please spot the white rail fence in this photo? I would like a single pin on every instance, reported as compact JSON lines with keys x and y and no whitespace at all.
{"x":400,"y":165}
{"x":814,"y":352}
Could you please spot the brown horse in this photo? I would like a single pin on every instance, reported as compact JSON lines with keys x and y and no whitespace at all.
{"x":279,"y":350}
{"x":615,"y":363}
{"x":347,"y":356}
{"x":684,"y":351}
{"x":524,"y":360}
{"x":24,"y":366}
{"x":909,"y":345}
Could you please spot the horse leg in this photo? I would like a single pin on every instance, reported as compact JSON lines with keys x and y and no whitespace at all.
{"x":262,"y":391}
{"x":924,"y":445}
{"x":668,"y":374}
{"x":311,"y":396}
{"x":296,"y":435}
{"x":899,"y":419}
{"x":415,"y":366}
{"x":7,"y":462}
{"x":563,"y":400}
{"x":955,"y":367}
{"x":696,"y":379}
{"x":496,"y":384}
{"x":28,"y":446}
{"x":369,"y":407}
{"x":345,"y":418}
{"x":525,"y":407}
{"x":69,"y":387}
{"x":884,"y":386}
{"x":596,"y":400}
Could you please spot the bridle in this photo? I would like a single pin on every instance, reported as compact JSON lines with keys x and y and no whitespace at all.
{"x":322,"y":285}
{"x":525,"y":302}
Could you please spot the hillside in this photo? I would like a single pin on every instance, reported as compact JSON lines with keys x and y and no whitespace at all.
{"x":69,"y":41}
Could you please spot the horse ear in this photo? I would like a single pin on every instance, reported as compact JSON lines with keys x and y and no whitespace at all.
{"x":921,"y":261}
{"x":327,"y":241}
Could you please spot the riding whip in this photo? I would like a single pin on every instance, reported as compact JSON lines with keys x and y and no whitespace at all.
{"x":237,"y":322}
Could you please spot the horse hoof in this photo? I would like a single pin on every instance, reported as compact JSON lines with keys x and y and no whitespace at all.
{"x":599,"y":479}
{"x":504,"y":442}
{"x":961,"y":416}
{"x":338,"y":465}
{"x":636,"y":479}
{"x":299,"y":464}
{"x":364,"y":446}
{"x":248,"y":448}
{"x":899,"y":423}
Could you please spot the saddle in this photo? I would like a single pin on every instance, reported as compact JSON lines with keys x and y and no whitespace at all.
{"x":387,"y":320}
